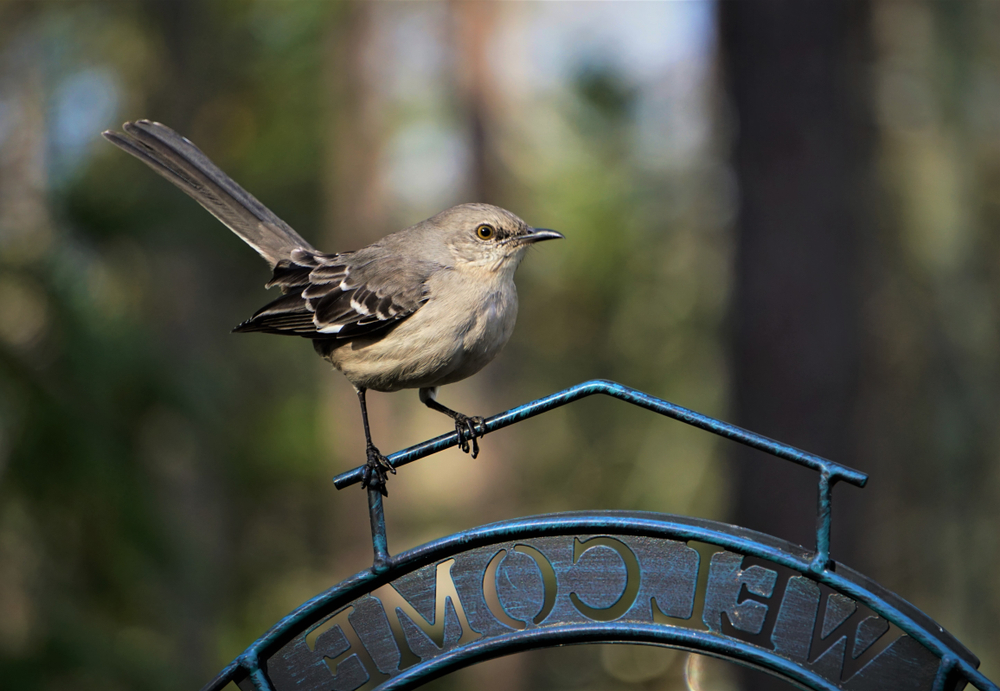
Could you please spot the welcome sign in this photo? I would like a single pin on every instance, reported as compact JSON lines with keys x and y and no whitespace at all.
{"x":608,"y":577}
{"x":564,"y":579}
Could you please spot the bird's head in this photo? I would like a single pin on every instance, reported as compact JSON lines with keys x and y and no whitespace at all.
{"x":487,"y":236}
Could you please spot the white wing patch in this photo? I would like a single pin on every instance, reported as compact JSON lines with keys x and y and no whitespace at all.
{"x":359,"y":308}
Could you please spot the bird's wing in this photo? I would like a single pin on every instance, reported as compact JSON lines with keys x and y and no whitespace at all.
{"x":343,"y":296}
{"x":183,"y":164}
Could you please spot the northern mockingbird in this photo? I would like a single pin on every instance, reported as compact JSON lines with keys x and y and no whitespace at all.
{"x":424,"y":307}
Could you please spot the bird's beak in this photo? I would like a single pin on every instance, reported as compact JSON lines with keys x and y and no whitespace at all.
{"x":539,"y":234}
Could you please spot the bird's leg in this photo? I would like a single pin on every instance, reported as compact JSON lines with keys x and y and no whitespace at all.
{"x":468,"y":428}
{"x":377,"y":464}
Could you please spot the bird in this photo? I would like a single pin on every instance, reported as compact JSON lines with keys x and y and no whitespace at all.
{"x":421,"y":308}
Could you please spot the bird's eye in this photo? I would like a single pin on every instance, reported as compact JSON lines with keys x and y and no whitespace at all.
{"x":485,"y":232}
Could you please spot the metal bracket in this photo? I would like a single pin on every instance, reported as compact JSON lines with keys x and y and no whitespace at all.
{"x":829,"y":472}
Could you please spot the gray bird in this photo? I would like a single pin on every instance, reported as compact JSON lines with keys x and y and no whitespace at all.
{"x":424,"y":307}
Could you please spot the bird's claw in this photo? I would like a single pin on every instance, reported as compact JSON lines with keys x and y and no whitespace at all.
{"x":376,"y":471}
{"x":469,"y":429}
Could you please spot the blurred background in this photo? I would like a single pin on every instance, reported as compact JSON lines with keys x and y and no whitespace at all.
{"x":781,"y":214}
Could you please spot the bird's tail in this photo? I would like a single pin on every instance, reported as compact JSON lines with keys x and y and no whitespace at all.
{"x":184,"y":164}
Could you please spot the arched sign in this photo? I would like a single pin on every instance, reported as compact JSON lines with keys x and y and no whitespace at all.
{"x":569,"y":578}
{"x":606,"y":577}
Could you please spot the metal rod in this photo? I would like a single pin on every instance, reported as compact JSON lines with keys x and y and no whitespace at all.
{"x":948,"y":664}
{"x":260,"y":681}
{"x":250,"y":662}
{"x":637,"y":398}
{"x":824,"y":518}
{"x":683,"y":639}
{"x":379,"y":542}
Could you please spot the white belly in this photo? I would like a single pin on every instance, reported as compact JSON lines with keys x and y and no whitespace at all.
{"x":452,"y":336}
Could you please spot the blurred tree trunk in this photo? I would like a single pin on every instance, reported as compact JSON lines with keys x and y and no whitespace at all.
{"x":802,"y":160}
{"x":185,"y":76}
{"x":474,"y":24}
{"x":25,"y":217}
{"x":355,"y":212}
{"x":190,"y":504}
{"x":354,"y":216}
{"x":477,"y":100}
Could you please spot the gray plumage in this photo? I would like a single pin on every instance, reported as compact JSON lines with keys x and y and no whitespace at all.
{"x":427,"y":306}
{"x":183,"y":163}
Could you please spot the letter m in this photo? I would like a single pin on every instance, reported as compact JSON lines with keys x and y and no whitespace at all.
{"x":435,"y":636}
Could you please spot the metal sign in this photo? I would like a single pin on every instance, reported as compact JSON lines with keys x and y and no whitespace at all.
{"x":607,"y":577}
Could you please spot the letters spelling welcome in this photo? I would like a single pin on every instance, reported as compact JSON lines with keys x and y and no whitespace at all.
{"x":506,"y":589}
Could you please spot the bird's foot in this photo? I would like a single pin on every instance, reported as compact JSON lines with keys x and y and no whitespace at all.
{"x":469,"y":429}
{"x":376,"y":471}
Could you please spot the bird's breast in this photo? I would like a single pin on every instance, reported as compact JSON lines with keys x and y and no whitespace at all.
{"x":463,"y":325}
{"x":491,"y":324}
